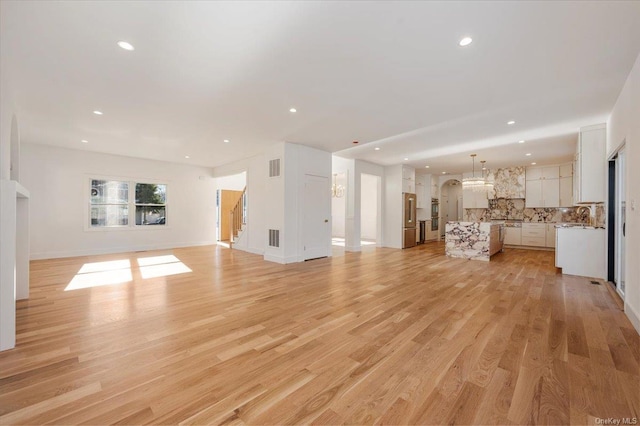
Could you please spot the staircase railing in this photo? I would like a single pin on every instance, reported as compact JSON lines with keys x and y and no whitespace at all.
{"x":238,"y":216}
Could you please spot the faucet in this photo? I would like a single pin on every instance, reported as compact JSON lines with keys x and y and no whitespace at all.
{"x":582,"y":209}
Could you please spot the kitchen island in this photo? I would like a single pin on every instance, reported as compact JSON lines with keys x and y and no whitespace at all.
{"x":473,"y":240}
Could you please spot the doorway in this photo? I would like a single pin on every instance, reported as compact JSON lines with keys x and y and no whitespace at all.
{"x":316,"y":226}
{"x":616,"y":244}
{"x":229,"y":190}
{"x":450,"y":203}
{"x":370,"y":209}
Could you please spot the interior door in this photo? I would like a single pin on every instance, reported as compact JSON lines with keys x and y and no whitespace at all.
{"x":316,"y":226}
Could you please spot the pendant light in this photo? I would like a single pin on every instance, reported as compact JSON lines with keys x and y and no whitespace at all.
{"x":488,"y":184}
{"x":473,"y":182}
{"x":337,"y":191}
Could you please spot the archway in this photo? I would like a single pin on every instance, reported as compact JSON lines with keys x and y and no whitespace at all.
{"x":450,"y":203}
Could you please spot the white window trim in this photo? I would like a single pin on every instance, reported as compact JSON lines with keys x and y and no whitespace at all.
{"x":131,"y":203}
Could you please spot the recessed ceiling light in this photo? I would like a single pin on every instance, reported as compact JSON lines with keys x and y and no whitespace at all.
{"x":444,"y":173}
{"x":84,"y":141}
{"x":186,"y":156}
{"x":126,"y":46}
{"x":292,"y":110}
{"x":511,"y":122}
{"x":520,"y":141}
{"x":226,"y":141}
{"x":484,"y":168}
{"x":406,"y":159}
{"x":377,"y":148}
{"x":97,"y":112}
{"x":465,"y":41}
{"x":533,"y":164}
{"x":528,"y":154}
{"x":426,"y":167}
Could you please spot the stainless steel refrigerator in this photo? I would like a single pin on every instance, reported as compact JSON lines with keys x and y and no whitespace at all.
{"x":410,"y":222}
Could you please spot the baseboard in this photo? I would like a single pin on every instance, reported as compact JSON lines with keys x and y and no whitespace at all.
{"x":632,"y":315}
{"x":281,"y":260}
{"x":249,"y":250}
{"x":275,"y":259}
{"x":353,"y":248}
{"x":113,"y":250}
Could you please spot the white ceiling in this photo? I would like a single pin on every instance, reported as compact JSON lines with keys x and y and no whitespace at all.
{"x":387,"y":74}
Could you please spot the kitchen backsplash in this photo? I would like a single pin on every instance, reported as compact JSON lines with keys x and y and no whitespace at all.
{"x":514,"y":209}
{"x":507,"y":183}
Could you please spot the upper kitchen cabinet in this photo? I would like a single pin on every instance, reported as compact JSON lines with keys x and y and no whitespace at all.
{"x":423,"y":191}
{"x":473,"y":199}
{"x":507,"y":183}
{"x":566,"y":185}
{"x":590,"y":172}
{"x":408,"y":179}
{"x":543,"y":186}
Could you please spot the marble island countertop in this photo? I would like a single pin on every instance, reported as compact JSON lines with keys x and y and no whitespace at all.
{"x":473,"y":240}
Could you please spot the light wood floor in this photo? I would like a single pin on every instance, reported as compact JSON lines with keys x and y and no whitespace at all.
{"x":385,"y":336}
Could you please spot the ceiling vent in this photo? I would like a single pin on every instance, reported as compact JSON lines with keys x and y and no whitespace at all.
{"x":274,"y":167}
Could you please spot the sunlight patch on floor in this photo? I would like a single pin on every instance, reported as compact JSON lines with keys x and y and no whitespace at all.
{"x":98,"y":274}
{"x":161,"y":266}
{"x":340,"y":242}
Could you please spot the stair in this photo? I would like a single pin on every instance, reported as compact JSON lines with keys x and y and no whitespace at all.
{"x":238,"y":217}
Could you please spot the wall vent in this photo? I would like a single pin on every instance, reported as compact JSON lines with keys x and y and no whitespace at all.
{"x":274,"y":167}
{"x":274,"y":238}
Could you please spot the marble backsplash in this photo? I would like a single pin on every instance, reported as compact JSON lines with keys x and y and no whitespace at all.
{"x":507,"y":183}
{"x":514,"y":209}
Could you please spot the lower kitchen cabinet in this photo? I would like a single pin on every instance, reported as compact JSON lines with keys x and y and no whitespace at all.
{"x":534,"y":234}
{"x":551,"y":235}
{"x":581,"y":251}
{"x":531,"y":235}
{"x":513,"y":236}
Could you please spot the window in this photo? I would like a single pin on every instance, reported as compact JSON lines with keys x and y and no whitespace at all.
{"x":111,"y":202}
{"x":150,"y":204}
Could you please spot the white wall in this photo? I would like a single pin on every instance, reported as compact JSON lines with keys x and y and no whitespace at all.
{"x":58,"y":180}
{"x":14,"y":262}
{"x":339,"y":207}
{"x":235,"y":182}
{"x":624,"y":126}
{"x":366,"y":168}
{"x":347,"y":167}
{"x":393,"y":206}
{"x":276,"y":203}
{"x":369,"y":207}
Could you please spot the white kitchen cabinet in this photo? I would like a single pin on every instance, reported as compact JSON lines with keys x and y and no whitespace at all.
{"x":590,"y":174}
{"x":473,"y":199}
{"x":566,"y":191}
{"x":543,"y":186}
{"x":408,"y":179}
{"x":513,"y":236}
{"x":534,"y":234}
{"x":423,"y":199}
{"x":408,"y":172}
{"x":434,"y":187}
{"x":408,"y":186}
{"x":581,"y":251}
{"x":566,"y":185}
{"x":566,"y":170}
{"x":550,"y":235}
